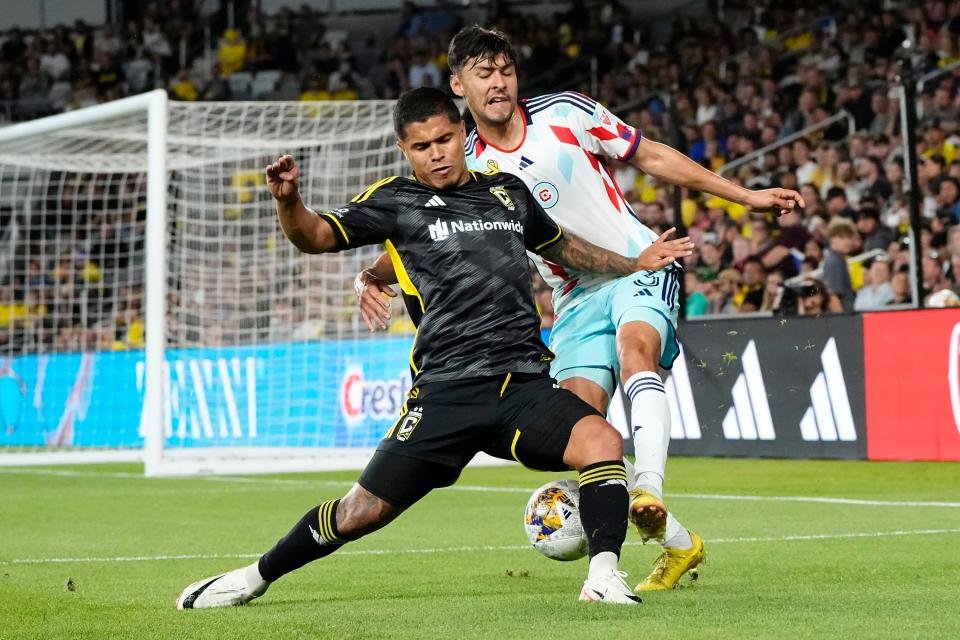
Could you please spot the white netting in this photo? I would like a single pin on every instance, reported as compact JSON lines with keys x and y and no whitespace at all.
{"x":265,"y":347}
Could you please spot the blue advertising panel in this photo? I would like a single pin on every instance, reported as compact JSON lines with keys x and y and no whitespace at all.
{"x":343,"y":393}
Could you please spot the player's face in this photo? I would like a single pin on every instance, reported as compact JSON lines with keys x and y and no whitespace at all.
{"x":489,"y":88}
{"x":435,"y":149}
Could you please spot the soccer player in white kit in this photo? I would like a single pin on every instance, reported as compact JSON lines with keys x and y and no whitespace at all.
{"x":608,"y":329}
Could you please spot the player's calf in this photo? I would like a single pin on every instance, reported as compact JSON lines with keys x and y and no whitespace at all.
{"x":596,"y":450}
{"x":320,"y":532}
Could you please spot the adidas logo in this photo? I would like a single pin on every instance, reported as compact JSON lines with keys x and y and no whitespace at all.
{"x":684,"y":422}
{"x":525,"y":162}
{"x":435,"y":201}
{"x":829,"y":417}
{"x":439,"y":230}
{"x":749,"y":417}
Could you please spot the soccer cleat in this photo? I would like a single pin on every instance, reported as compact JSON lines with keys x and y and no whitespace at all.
{"x":227,"y":590}
{"x":648,"y":514}
{"x":670,"y":566}
{"x":610,"y":588}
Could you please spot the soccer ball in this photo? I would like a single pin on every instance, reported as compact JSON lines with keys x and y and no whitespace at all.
{"x":552,"y":521}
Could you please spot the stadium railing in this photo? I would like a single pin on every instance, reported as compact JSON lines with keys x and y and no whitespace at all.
{"x":840,"y":116}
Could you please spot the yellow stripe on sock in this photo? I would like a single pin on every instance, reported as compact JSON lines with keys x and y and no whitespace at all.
{"x":602,"y":478}
{"x":586,"y":475}
{"x":327,"y":514}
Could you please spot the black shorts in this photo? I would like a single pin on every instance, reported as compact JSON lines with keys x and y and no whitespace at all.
{"x":443,"y":425}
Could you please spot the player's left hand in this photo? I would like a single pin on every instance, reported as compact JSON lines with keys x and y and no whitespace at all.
{"x":664,"y":251}
{"x":779,"y":201}
{"x":373,"y":294}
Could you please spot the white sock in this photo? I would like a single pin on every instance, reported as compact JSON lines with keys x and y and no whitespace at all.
{"x":631,"y":473}
{"x":252,"y":575}
{"x":650,"y":423}
{"x":676,"y":536}
{"x":602,"y":564}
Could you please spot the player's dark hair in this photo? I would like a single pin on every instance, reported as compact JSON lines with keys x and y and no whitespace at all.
{"x":478,"y":44}
{"x":420,"y":105}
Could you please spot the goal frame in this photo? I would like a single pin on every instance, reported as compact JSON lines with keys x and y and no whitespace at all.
{"x":154,"y":103}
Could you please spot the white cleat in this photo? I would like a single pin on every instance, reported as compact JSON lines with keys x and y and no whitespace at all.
{"x":609,"y":588}
{"x":227,"y":590}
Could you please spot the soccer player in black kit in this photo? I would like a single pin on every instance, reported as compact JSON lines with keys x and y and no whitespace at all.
{"x":457,"y":239}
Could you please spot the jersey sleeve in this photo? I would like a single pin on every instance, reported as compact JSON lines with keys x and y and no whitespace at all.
{"x":368,"y":219}
{"x":540,"y":232}
{"x":604,"y":133}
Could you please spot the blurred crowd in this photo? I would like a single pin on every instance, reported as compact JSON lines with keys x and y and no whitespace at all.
{"x":720,"y":88}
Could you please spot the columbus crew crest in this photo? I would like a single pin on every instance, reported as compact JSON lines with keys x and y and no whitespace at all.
{"x":501,"y":194}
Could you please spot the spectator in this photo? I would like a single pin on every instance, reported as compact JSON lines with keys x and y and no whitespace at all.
{"x":842,"y":235}
{"x":233,"y":52}
{"x":876,"y":291}
{"x":183,"y":87}
{"x":423,"y":73}
{"x":874,"y":234}
{"x":750,"y":296}
{"x":900,"y":285}
{"x":813,"y":298}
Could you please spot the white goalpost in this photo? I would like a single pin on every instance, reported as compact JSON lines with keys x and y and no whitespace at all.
{"x":153,"y":310}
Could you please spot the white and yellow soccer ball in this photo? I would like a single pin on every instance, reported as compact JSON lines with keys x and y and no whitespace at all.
{"x":552,"y":521}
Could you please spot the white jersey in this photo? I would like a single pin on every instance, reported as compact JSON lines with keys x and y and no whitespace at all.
{"x":562,"y":158}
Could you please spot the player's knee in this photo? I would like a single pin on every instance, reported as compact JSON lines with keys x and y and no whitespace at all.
{"x":593,"y":440}
{"x":638,"y":349}
{"x":360,"y":512}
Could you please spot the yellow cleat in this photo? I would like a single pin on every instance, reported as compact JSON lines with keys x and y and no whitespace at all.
{"x":648,"y":514}
{"x":670,"y":566}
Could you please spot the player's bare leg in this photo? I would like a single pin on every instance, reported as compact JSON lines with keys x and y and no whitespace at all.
{"x":639,"y":350}
{"x":320,"y":532}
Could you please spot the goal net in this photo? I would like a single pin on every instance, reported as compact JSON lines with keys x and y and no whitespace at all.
{"x":151,"y":308}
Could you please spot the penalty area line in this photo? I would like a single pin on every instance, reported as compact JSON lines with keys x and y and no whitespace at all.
{"x":476,"y":549}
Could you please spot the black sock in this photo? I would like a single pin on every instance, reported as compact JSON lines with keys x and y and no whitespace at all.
{"x":315,"y":536}
{"x":603,"y":505}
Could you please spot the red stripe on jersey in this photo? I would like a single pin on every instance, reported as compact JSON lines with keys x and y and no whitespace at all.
{"x":570,"y":286}
{"x":593,"y":161}
{"x":556,"y":269}
{"x":601,"y":133}
{"x":606,"y":167}
{"x":479,"y":147}
{"x":565,"y":135}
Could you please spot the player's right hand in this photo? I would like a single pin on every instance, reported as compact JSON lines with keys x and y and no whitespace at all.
{"x":373,"y":294}
{"x":283,"y":179}
{"x":664,"y":251}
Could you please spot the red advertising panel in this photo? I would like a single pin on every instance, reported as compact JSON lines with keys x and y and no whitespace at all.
{"x":912,"y":366}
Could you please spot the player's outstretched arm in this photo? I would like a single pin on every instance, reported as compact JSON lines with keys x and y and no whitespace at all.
{"x":307,"y":231}
{"x":576,"y":253}
{"x":373,"y":287}
{"x":669,"y":165}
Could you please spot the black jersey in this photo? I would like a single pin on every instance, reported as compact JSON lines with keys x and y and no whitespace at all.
{"x":460,"y":254}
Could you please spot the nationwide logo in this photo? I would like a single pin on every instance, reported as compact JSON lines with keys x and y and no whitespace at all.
{"x":953,"y":374}
{"x":829,"y":417}
{"x":441,"y":229}
{"x":435,"y":201}
{"x":749,"y":417}
{"x":371,"y":399}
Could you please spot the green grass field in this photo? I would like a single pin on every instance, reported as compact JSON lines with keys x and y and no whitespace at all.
{"x":457,"y":565}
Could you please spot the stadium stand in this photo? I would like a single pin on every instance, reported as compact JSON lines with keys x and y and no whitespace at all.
{"x":812,"y":88}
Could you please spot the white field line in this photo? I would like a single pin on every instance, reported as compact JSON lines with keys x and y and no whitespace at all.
{"x":255,"y":480}
{"x":477,"y":549}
